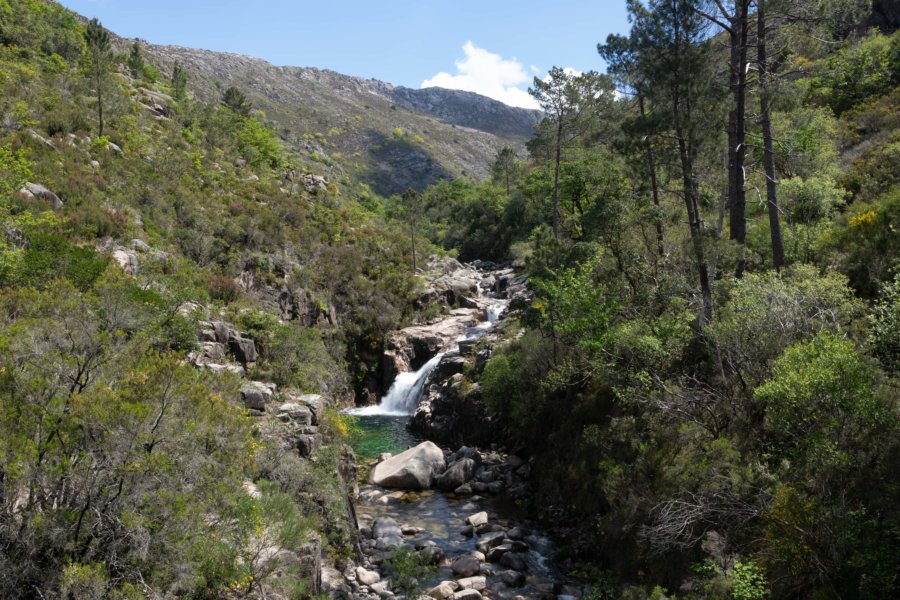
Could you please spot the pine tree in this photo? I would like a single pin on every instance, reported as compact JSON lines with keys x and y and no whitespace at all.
{"x":179,"y":83}
{"x":97,"y":40}
{"x":135,"y":61}
{"x":235,"y":100}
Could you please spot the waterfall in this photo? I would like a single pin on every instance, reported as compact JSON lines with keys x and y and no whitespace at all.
{"x":405,"y":393}
{"x":492,"y":313}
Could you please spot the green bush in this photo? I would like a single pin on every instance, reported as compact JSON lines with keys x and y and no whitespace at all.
{"x":50,"y":256}
{"x":748,"y":582}
{"x":885,"y":326}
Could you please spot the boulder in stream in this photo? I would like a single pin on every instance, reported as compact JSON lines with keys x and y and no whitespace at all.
{"x":466,"y":566}
{"x":414,"y":469}
{"x":387,"y":530}
{"x":457,"y":474}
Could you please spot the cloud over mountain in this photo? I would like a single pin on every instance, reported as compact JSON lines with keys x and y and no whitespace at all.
{"x":488,"y":74}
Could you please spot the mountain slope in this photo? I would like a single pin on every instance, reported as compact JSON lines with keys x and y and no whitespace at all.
{"x":390,"y":137}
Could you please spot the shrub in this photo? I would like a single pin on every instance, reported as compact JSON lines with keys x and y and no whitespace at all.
{"x":222,"y":288}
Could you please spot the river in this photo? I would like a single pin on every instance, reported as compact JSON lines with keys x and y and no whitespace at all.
{"x":434,"y":517}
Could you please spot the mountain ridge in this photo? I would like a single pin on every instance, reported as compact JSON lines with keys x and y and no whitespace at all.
{"x":388,"y":136}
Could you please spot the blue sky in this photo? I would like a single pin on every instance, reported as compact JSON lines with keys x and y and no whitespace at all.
{"x":493,"y":47}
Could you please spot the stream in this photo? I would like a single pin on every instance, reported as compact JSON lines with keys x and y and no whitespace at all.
{"x":438,"y":518}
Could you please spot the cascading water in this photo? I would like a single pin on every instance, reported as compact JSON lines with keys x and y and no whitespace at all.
{"x":492,"y":313}
{"x":403,"y":397}
{"x":406,"y":391}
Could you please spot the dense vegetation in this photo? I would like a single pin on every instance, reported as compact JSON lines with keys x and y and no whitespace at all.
{"x":714,"y":402}
{"x":706,"y":376}
{"x":122,"y":469}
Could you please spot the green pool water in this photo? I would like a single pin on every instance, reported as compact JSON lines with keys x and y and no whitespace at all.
{"x":375,"y":434}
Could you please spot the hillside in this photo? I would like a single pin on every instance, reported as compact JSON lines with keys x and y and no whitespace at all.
{"x":686,"y":385}
{"x":392,"y":138}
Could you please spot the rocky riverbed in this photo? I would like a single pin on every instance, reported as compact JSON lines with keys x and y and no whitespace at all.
{"x":474,"y":538}
{"x":457,"y":510}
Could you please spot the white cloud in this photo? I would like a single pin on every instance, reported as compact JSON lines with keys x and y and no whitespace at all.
{"x":488,"y":74}
{"x":570,"y":71}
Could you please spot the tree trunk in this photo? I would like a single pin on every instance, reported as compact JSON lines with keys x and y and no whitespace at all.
{"x":690,"y":201}
{"x":765,"y":119}
{"x":556,"y":215}
{"x":654,"y":184}
{"x":737,"y":151}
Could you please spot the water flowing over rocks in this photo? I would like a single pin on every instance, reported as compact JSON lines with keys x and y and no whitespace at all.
{"x":442,"y":504}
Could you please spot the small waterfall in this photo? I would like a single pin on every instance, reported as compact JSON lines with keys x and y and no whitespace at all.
{"x":404,"y":395}
{"x":406,"y":391}
{"x":492,"y":313}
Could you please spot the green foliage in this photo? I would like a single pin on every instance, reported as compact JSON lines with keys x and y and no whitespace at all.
{"x":868,"y":68}
{"x":40,"y":26}
{"x":864,"y":242}
{"x":767,"y":312}
{"x":749,"y":582}
{"x":235,"y":100}
{"x":50,"y":256}
{"x":179,"y":83}
{"x":407,"y":570}
{"x":467,"y":217}
{"x":166,"y":447}
{"x":135,"y":61}
{"x":15,"y":170}
{"x":258,"y":144}
{"x":885,"y":326}
{"x":291,"y":355}
{"x":820,"y":397}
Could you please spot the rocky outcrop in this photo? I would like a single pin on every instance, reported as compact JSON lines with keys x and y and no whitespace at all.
{"x":256,"y":395}
{"x":451,"y":284}
{"x":452,"y":411}
{"x":414,"y":469}
{"x":410,"y":348}
{"x":468,"y":109}
{"x":217,"y":337}
{"x":41,"y":192}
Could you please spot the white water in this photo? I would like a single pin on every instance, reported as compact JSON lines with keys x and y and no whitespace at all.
{"x":403,"y":397}
{"x":406,"y":391}
{"x":492,"y":313}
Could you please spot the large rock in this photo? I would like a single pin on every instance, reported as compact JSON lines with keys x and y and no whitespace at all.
{"x":457,"y":474}
{"x":256,"y":394}
{"x":478,"y":519}
{"x":515,"y":561}
{"x":366,"y":577}
{"x":465,"y":566}
{"x":315,"y":403}
{"x":126,"y":259}
{"x":453,"y":411}
{"x":444,"y":589}
{"x":512,"y":578}
{"x":223,"y":331}
{"x":244,"y":349}
{"x":414,"y":469}
{"x":477,"y":582}
{"x":295,"y":413}
{"x":307,"y":443}
{"x":36,"y":190}
{"x":387,"y":530}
